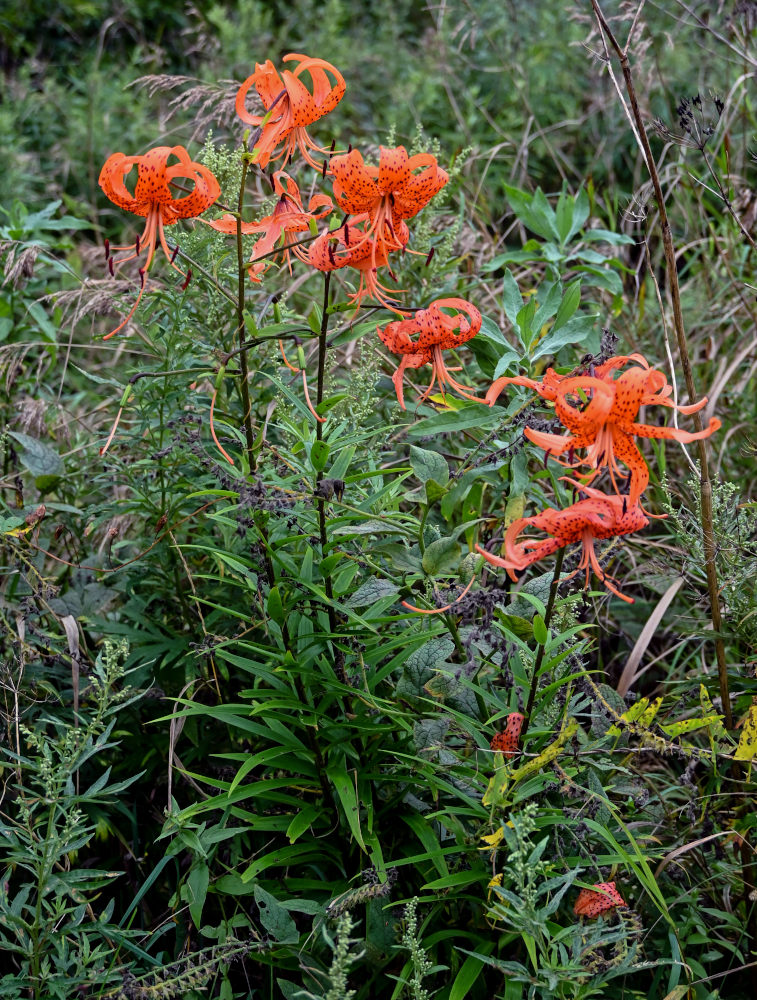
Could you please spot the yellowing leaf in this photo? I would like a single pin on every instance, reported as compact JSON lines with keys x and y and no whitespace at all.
{"x":548,"y":755}
{"x":747,"y":748}
{"x":492,"y":839}
{"x":689,"y":725}
{"x":495,"y":792}
{"x":641,"y":713}
{"x":717,"y":727}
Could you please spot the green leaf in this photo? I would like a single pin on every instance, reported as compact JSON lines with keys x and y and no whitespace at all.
{"x":302,"y":822}
{"x":195,"y":890}
{"x":319,"y":455}
{"x":550,"y":298}
{"x":274,"y":606}
{"x":429,"y":465}
{"x":575,"y":331}
{"x":40,"y":459}
{"x":442,"y":554}
{"x":570,"y":302}
{"x":275,"y":918}
{"x":469,"y":973}
{"x":607,"y":236}
{"x":346,"y":791}
{"x":525,"y":321}
{"x":541,"y":632}
{"x":372,"y":591}
{"x":453,"y":421}
{"x":534,"y":211}
{"x":512,"y":300}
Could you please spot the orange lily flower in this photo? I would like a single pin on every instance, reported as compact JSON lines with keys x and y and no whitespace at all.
{"x":388,"y":193}
{"x":601,"y":898}
{"x":288,"y":216}
{"x":606,"y":426}
{"x":598,"y":517}
{"x":436,"y":331}
{"x":153,"y":200}
{"x":348,"y":246}
{"x":291,"y":104}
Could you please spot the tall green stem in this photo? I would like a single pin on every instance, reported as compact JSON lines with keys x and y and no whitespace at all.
{"x":240,"y":326}
{"x":321,"y":501}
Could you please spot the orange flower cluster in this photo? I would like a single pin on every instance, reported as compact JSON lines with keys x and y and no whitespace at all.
{"x":599,"y":413}
{"x":377,"y":201}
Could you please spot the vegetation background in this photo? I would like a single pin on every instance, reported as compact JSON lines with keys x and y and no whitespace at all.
{"x":234,"y":764}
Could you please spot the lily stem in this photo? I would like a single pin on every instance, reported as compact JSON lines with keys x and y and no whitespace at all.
{"x":321,"y":501}
{"x":240,"y":327}
{"x":540,"y":655}
{"x":705,"y":483}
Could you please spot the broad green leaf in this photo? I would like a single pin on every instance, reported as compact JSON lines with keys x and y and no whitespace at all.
{"x":575,"y":331}
{"x":372,"y":591}
{"x":275,"y":918}
{"x":512,"y":300}
{"x":475,"y":416}
{"x":319,"y":455}
{"x":570,"y":302}
{"x":441,"y":555}
{"x":429,"y":465}
{"x":40,"y":459}
{"x":195,"y":890}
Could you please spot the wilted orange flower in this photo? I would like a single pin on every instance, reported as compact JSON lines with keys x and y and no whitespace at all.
{"x":288,"y":216}
{"x":506,"y":742}
{"x":601,"y":898}
{"x":437,"y":331}
{"x":347,"y":246}
{"x":291,"y":104}
{"x":596,"y":518}
{"x":604,"y":421}
{"x":388,"y":193}
{"x":154,"y":200}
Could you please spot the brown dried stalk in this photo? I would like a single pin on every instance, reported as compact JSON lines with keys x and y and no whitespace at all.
{"x":705,"y":484}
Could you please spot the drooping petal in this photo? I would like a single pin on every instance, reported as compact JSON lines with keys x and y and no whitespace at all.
{"x":355,"y":189}
{"x":601,"y":898}
{"x":673,"y":433}
{"x":394,"y":171}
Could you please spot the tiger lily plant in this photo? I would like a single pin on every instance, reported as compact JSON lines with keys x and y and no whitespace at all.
{"x":596,"y":518}
{"x":290,"y":106}
{"x":153,"y":200}
{"x":436,"y":331}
